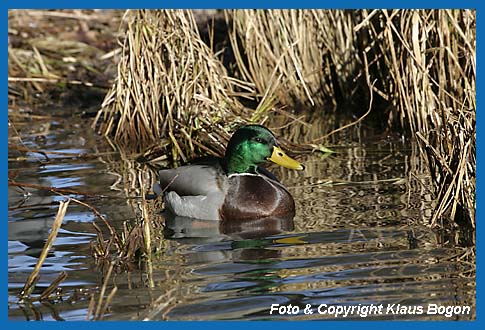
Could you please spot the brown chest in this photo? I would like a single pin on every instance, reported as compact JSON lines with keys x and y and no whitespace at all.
{"x":254,"y":197}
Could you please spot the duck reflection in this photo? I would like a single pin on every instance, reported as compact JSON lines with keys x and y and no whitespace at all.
{"x":234,"y":255}
{"x":219,"y":241}
{"x":197,"y":230}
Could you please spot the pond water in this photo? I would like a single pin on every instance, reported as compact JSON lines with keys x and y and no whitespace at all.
{"x":360,"y":237}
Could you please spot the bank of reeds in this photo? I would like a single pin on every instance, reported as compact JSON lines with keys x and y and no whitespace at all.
{"x":172,"y":90}
{"x":173,"y":93}
{"x":431,"y":60}
{"x":303,"y":58}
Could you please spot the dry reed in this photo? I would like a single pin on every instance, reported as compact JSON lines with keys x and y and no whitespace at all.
{"x":302,"y":58}
{"x":34,"y":276}
{"x":430,"y":57}
{"x":172,"y":92}
{"x":170,"y":87}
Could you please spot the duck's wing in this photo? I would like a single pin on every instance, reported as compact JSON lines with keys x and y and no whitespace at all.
{"x":199,"y":207}
{"x":194,"y":180}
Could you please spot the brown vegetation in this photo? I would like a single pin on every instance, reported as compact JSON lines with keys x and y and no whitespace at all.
{"x":170,"y":87}
{"x":176,"y":97}
{"x":61,"y":56}
{"x":173,"y":91}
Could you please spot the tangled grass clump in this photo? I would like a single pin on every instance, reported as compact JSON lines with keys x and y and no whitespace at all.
{"x":170,"y":87}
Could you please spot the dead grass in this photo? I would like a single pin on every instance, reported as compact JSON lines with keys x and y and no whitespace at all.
{"x":430,"y":57}
{"x":170,"y":87}
{"x":34,"y":276}
{"x":174,"y":99}
{"x":302,"y":58}
{"x":51,"y":53}
{"x":423,"y":63}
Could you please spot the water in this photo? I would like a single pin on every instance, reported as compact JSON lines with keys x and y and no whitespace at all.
{"x":360,"y":236}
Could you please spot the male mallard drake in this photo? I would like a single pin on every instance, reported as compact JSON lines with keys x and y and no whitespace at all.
{"x":234,"y":187}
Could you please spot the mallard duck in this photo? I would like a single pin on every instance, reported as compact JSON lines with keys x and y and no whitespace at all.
{"x":234,"y":187}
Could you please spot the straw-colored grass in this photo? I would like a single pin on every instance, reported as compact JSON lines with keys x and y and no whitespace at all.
{"x":422,"y":64}
{"x":302,"y":58}
{"x":34,"y":276}
{"x":419,"y":65}
{"x":430,"y":57}
{"x":174,"y":96}
{"x":170,"y":87}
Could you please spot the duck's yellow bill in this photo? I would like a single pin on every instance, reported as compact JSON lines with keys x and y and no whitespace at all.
{"x":279,"y":157}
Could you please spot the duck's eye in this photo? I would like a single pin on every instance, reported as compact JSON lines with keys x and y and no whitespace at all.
{"x":258,"y":139}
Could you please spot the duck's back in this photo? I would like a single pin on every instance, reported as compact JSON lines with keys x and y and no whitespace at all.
{"x":201,"y":178}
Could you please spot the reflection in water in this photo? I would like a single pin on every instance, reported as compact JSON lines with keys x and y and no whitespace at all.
{"x":360,"y":236}
{"x":180,"y":227}
{"x":247,"y":280}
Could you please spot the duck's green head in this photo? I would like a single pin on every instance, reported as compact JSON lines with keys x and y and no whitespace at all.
{"x":251,"y":146}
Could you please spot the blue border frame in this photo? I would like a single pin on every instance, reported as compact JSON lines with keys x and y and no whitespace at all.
{"x":172,"y":4}
{"x":355,"y":4}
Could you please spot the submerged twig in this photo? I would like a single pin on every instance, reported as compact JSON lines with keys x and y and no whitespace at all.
{"x":108,"y":302}
{"x":50,"y":289}
{"x":59,"y":153}
{"x":99,"y":308}
{"x":147,"y":236}
{"x":160,"y":305}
